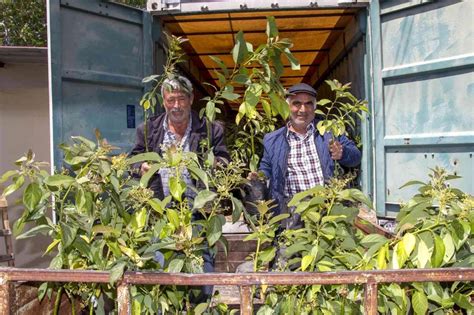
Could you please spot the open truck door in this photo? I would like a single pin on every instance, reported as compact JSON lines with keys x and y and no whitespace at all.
{"x":422,"y":81}
{"x":100,"y":51}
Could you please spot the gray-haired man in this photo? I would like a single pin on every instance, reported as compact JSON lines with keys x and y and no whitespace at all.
{"x":179,"y":126}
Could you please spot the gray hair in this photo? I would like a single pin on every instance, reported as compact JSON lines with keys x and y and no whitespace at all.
{"x":177,"y":83}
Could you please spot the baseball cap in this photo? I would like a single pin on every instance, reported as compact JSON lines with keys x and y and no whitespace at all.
{"x":302,"y":88}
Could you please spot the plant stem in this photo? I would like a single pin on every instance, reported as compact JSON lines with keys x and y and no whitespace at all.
{"x":57,"y":301}
{"x":257,"y":251}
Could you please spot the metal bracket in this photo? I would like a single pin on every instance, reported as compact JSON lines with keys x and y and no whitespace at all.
{"x":163,"y":5}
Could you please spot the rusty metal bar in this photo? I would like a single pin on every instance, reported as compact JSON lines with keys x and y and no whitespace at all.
{"x":7,"y":232}
{"x":370,"y":302}
{"x":123,"y":299}
{"x":5,"y":306}
{"x":246,"y":304}
{"x":236,"y":279}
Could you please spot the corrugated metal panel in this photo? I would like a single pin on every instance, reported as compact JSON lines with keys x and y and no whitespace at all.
{"x":100,"y":53}
{"x":423,"y":78}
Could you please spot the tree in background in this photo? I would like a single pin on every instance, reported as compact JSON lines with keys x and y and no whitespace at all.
{"x":23,"y":23}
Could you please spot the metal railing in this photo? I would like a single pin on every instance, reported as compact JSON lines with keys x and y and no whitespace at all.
{"x":370,"y":279}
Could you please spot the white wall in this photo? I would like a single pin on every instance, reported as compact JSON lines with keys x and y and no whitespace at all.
{"x":24,"y":124}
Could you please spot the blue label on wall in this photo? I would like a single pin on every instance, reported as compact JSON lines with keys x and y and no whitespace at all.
{"x":130,"y":116}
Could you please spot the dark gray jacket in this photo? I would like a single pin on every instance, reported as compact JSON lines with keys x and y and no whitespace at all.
{"x":156,"y":135}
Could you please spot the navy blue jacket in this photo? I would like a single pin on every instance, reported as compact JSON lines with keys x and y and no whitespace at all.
{"x":275,"y":159}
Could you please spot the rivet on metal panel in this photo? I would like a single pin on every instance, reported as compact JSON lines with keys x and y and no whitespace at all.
{"x":455,"y":173}
{"x":470,"y":155}
{"x":432,"y":155}
{"x":455,"y":162}
{"x":388,"y":192}
{"x":407,"y":140}
{"x":426,"y":156}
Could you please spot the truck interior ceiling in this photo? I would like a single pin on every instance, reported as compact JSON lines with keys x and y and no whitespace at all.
{"x":327,"y":42}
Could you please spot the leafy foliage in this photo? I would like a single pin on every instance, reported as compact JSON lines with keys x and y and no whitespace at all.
{"x":108,"y":221}
{"x":258,"y":72}
{"x":23,"y":23}
{"x":434,"y":230}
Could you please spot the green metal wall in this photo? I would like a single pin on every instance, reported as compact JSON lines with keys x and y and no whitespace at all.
{"x":100,"y":52}
{"x":423,"y":86}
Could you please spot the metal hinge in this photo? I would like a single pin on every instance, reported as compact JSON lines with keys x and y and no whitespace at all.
{"x":163,"y":5}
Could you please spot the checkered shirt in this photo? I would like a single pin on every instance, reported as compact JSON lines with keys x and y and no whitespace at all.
{"x":304,"y":167}
{"x":169,"y":140}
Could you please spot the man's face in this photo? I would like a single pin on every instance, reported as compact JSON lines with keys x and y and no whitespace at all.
{"x":177,"y":106}
{"x":302,"y":108}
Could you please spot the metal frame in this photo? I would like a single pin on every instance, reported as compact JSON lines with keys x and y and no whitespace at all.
{"x":370,"y":279}
{"x":157,"y":6}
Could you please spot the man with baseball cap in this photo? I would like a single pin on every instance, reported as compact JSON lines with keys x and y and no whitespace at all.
{"x":296,"y":157}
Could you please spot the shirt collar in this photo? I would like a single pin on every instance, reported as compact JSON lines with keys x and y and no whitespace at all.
{"x":309,"y":130}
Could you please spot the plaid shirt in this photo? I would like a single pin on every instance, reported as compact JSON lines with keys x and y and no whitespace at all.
{"x":171,"y":140}
{"x":304,"y":167}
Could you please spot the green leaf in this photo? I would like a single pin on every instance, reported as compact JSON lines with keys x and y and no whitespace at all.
{"x":138,"y":219}
{"x":177,"y":188}
{"x":17,"y":183}
{"x":272,"y":30}
{"x":267,"y":255}
{"x":221,"y":64}
{"x":200,"y":308}
{"x":278,"y":218}
{"x":59,"y":180}
{"x":237,"y":207}
{"x":7,"y":175}
{"x":214,"y":231}
{"x":399,"y":255}
{"x":176,"y":265}
{"x":52,"y":246}
{"x":158,"y":205}
{"x":419,"y":302}
{"x":230,"y":96}
{"x":463,"y":301}
{"x":409,"y":241}
{"x":448,"y":246}
{"x":116,"y":272}
{"x":68,"y":233}
{"x":42,"y":290}
{"x":302,"y":195}
{"x":173,"y":217}
{"x":412,"y":182}
{"x":90,"y":144}
{"x":144,"y":157}
{"x":39,"y":229}
{"x":240,"y":50}
{"x":355,"y":195}
{"x":295,"y":64}
{"x":381,"y":257}
{"x":372,"y":239}
{"x":438,"y":252}
{"x":146,"y":177}
{"x":198,"y":173}
{"x":32,"y":196}
{"x":423,"y":253}
{"x":306,"y":261}
{"x":203,"y":197}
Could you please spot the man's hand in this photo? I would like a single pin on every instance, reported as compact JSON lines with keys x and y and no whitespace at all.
{"x":336,"y":150}
{"x":144,"y":168}
{"x":252,"y":176}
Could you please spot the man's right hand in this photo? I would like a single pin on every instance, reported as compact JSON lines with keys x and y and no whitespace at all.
{"x":145,"y":167}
